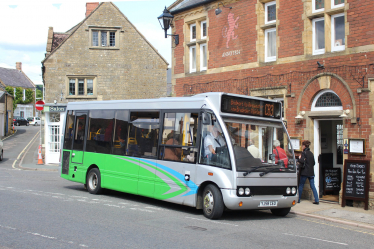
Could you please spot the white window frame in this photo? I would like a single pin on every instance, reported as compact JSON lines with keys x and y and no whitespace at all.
{"x":192,"y":70}
{"x":272,"y":58}
{"x":192,"y":25}
{"x":331,"y":108}
{"x":336,"y":6}
{"x":202,"y":68}
{"x":314,"y":7}
{"x":99,"y":30}
{"x":333,"y":47}
{"x":266,"y":12}
{"x":201,"y":29}
{"x":24,"y":95}
{"x":317,"y":51}
{"x":54,"y":140}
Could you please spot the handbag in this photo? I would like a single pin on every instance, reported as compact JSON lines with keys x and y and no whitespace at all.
{"x":280,"y":161}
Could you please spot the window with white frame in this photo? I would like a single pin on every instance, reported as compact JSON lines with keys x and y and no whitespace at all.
{"x":192,"y":59}
{"x":203,"y":57}
{"x":326,"y":100}
{"x":81,"y":86}
{"x":319,"y":35}
{"x":193,"y":32}
{"x":270,"y":45}
{"x":337,"y":32}
{"x":24,"y":95}
{"x":103,"y":38}
{"x":318,"y":5}
{"x":54,"y":138}
{"x":270,"y":12}
{"x":337,"y":3}
{"x":203,"y":30}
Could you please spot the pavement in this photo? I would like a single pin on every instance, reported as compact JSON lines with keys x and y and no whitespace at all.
{"x":326,"y":210}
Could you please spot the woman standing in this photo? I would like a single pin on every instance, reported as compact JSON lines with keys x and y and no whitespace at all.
{"x":306,"y":164}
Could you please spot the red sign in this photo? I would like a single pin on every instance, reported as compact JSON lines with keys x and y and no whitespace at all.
{"x":39,"y":105}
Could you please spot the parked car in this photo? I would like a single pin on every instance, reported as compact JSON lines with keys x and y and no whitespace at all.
{"x":1,"y":150}
{"x":34,"y":120}
{"x":20,"y":121}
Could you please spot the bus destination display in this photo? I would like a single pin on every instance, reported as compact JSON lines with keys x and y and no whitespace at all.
{"x":252,"y":107}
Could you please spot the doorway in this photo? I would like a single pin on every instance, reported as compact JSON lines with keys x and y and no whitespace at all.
{"x":329,"y":155}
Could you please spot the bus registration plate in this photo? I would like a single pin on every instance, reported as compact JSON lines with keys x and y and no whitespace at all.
{"x":268,"y":203}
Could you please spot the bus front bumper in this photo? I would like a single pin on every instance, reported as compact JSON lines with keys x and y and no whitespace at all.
{"x":234,"y":202}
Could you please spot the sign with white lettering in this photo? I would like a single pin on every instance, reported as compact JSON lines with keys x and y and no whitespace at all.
{"x":55,"y":108}
{"x":356,"y":181}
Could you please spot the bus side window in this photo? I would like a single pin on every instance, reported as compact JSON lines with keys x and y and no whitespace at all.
{"x":179,"y":137}
{"x":143,"y":134}
{"x":100,"y":131}
{"x":69,"y":130}
{"x":120,"y":132}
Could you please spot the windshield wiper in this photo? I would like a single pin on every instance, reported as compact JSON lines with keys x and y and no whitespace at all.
{"x":268,"y":171}
{"x":253,"y":169}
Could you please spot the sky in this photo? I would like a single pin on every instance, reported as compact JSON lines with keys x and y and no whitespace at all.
{"x":24,"y":28}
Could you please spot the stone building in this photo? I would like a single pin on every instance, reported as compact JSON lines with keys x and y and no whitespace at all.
{"x":104,"y":57}
{"x":317,"y":57}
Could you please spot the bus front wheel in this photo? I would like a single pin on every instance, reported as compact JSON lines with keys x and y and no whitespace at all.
{"x":94,"y":181}
{"x":212,"y":202}
{"x":280,"y":211}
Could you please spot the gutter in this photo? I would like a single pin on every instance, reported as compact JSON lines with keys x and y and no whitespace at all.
{"x":191,"y":6}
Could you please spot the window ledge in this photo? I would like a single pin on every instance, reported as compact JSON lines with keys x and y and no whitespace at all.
{"x":196,"y":73}
{"x":265,"y":1}
{"x":81,"y":97}
{"x":193,"y":43}
{"x":268,"y":26}
{"x":315,"y":15}
{"x":336,"y":10}
{"x":201,"y":41}
{"x":104,"y":48}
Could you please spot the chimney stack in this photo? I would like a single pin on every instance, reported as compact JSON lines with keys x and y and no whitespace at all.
{"x":19,"y":66}
{"x":90,"y":7}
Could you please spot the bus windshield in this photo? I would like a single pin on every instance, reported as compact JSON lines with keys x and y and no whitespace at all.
{"x":259,"y":145}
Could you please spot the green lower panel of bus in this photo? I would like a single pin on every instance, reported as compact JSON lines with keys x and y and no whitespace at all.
{"x":132,"y":175}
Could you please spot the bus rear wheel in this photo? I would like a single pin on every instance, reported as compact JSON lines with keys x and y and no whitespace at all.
{"x":280,"y":211}
{"x":94,"y":181}
{"x":212,"y":202}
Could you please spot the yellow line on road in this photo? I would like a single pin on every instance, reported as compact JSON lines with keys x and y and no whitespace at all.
{"x":14,"y":163}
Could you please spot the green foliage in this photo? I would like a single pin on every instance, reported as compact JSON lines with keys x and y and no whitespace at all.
{"x":39,"y":94}
{"x":29,"y":96}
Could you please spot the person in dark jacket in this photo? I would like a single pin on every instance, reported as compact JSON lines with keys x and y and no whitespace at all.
{"x":306,"y":163}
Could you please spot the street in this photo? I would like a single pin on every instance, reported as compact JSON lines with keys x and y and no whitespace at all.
{"x":41,"y":210}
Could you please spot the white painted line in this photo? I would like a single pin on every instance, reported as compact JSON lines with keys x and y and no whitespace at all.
{"x":14,"y":163}
{"x":216,"y":222}
{"x":328,"y":241}
{"x":141,"y":209}
{"x":159,"y":209}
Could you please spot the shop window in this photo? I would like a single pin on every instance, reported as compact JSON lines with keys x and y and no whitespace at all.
{"x":270,"y":12}
{"x":319,"y":36}
{"x":54,"y":138}
{"x":100,"y":131}
{"x":270,"y":45}
{"x":120,"y":135}
{"x":179,"y":137}
{"x":203,"y":57}
{"x":192,"y":59}
{"x":338,"y":32}
{"x":143,"y":134}
{"x":318,"y":5}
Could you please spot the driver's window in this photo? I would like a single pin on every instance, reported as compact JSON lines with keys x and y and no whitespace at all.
{"x":213,"y":147}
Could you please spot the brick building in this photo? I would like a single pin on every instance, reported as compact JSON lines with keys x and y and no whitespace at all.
{"x":317,"y":56}
{"x":104,"y":57}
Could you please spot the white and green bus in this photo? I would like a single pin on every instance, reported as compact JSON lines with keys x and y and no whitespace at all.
{"x":212,"y":151}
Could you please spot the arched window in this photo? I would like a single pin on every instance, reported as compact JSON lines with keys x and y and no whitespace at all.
{"x":327,"y":100}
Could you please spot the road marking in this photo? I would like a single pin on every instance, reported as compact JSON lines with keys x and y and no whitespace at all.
{"x":328,"y":241}
{"x":14,"y":163}
{"x":15,"y":131}
{"x":211,"y":221}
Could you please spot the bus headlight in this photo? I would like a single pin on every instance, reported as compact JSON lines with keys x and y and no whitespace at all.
{"x":288,"y":190}
{"x":293,"y":190}
{"x":241,"y":191}
{"x":247,"y":191}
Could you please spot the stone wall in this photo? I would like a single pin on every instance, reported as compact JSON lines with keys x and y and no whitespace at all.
{"x":131,"y":70}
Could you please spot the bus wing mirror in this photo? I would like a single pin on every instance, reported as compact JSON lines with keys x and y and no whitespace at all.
{"x":206,"y":120}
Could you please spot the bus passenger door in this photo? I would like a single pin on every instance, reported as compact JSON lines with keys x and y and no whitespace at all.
{"x":79,"y":137}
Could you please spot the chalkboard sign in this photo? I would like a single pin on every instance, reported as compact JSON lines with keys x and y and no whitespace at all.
{"x":356,"y":181}
{"x":332,"y":179}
